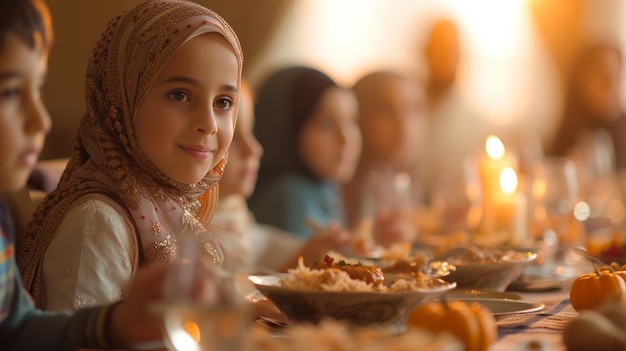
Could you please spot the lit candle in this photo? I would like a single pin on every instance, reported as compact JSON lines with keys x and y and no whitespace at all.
{"x":490,"y":167}
{"x":511,"y":222}
{"x":492,"y":164}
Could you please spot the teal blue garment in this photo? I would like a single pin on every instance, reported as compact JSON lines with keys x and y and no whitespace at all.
{"x":288,"y":191}
{"x":27,"y":328}
{"x":289,"y":200}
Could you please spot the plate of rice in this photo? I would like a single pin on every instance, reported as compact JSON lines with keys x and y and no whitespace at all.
{"x":307,"y":295}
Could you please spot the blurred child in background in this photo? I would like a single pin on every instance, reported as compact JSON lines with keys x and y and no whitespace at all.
{"x":592,"y":103}
{"x":307,"y":126}
{"x":393,"y":125}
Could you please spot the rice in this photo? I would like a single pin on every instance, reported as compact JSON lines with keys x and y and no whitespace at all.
{"x":338,"y":336}
{"x":305,"y":278}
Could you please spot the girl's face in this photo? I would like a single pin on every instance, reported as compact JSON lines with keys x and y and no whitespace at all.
{"x":24,"y":120}
{"x":393,"y":122}
{"x":244,"y":153}
{"x":186,"y":122}
{"x":330,"y":141}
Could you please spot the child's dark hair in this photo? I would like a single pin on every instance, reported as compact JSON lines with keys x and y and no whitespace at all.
{"x":30,"y":20}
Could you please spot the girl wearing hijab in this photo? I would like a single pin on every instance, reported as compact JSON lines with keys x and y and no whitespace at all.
{"x":307,"y":127}
{"x":162,"y":95}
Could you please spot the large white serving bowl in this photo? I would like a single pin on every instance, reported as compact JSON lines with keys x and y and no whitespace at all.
{"x":357,"y":308}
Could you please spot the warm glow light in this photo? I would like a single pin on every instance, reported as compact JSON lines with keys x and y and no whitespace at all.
{"x":193,"y":330}
{"x":582,"y":211}
{"x":181,"y":340}
{"x":508,"y":180}
{"x":494,"y":27}
{"x":498,"y":35}
{"x":539,"y":189}
{"x":350,"y":38}
{"x":340,"y":33}
{"x":495,"y":148}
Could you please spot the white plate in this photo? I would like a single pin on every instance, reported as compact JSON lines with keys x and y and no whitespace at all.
{"x":501,"y":307}
{"x":541,"y":278}
{"x":469,"y":293}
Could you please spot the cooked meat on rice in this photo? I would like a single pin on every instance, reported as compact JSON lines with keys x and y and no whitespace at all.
{"x":369,"y":274}
{"x":329,"y":279}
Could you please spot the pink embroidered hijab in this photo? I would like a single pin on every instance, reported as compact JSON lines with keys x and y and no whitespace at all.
{"x":129,"y":56}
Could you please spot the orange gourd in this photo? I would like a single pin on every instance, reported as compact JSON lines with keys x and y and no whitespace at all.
{"x":594,"y":290}
{"x":472,"y":324}
{"x":615,"y":268}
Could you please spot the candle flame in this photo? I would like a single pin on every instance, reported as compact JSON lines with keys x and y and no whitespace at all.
{"x":495,"y":147}
{"x":508,"y":180}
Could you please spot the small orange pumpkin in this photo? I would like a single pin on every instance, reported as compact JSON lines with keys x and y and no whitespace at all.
{"x":472,"y":324}
{"x":593,"y":290}
{"x":615,"y":268}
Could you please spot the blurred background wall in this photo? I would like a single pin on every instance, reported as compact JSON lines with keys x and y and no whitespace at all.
{"x":514,"y":53}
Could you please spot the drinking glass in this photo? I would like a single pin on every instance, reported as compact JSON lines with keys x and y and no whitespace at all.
{"x":602,"y":190}
{"x":215,"y":323}
{"x":458,"y":197}
{"x":558,"y":205}
{"x":387,"y":206}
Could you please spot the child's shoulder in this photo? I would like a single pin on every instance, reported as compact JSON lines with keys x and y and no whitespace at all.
{"x":98,"y":202}
{"x":6,"y":224}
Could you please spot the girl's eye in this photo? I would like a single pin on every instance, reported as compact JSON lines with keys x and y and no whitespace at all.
{"x":224,"y":103}
{"x":178,"y":96}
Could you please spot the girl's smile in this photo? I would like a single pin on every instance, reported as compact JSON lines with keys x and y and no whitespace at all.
{"x":197,"y":151}
{"x":29,"y":157}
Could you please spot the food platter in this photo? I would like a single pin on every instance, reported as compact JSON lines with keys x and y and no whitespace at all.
{"x":357,"y":307}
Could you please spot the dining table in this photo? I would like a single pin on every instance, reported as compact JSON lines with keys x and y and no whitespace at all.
{"x":539,"y":326}
{"x":540,"y":330}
